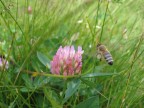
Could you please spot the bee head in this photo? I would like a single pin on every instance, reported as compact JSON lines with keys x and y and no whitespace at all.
{"x":101,"y":47}
{"x":99,"y":44}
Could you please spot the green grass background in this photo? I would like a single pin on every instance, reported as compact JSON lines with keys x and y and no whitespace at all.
{"x":30,"y":41}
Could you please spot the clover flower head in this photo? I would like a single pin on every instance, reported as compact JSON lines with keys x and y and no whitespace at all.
{"x":67,"y":61}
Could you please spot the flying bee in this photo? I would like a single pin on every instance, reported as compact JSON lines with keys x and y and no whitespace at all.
{"x":102,"y":51}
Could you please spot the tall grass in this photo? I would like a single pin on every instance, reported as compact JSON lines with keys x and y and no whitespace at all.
{"x":30,"y":40}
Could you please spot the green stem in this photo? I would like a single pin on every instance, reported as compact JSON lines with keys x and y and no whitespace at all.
{"x":104,"y":22}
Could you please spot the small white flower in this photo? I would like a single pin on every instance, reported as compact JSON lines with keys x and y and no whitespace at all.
{"x":80,"y":21}
{"x":98,"y":27}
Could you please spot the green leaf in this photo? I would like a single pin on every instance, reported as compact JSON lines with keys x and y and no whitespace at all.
{"x":93,"y":87}
{"x":72,"y":87}
{"x":27,"y":80}
{"x":92,"y":102}
{"x":43,"y":59}
{"x":24,"y":89}
{"x":98,"y":74}
{"x":41,"y":102}
{"x":2,"y":105}
{"x":52,"y":98}
{"x":88,"y":82}
{"x":40,"y":81}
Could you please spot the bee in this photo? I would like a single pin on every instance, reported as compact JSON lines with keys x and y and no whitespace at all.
{"x":102,"y":51}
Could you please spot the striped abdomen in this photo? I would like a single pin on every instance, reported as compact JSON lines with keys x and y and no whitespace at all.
{"x":108,"y":58}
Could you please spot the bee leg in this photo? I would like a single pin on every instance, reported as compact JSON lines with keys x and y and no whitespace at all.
{"x":99,"y":56}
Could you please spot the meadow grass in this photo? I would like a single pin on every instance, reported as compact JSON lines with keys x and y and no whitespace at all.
{"x":29,"y":40}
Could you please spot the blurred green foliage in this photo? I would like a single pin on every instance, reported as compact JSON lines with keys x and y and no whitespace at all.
{"x":30,"y":40}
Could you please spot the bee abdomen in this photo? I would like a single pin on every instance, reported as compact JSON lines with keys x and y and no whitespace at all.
{"x":108,"y":58}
